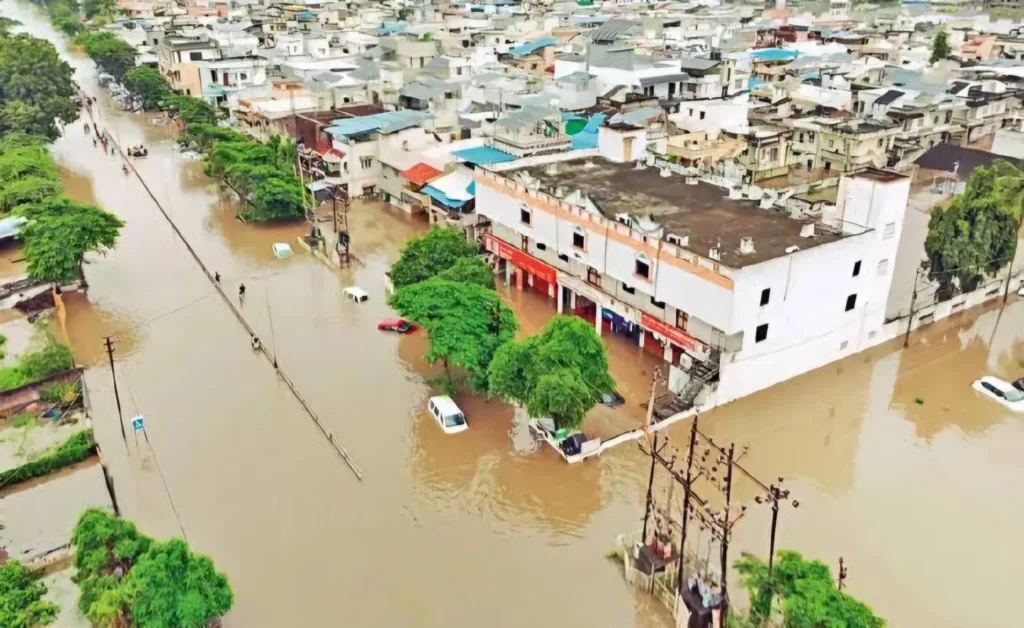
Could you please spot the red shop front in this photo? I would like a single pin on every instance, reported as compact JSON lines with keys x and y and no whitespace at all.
{"x":679,"y":338}
{"x":545,"y":278}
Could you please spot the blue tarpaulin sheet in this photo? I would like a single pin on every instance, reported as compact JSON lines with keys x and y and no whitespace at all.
{"x":442,"y":197}
{"x":483,"y":155}
{"x":587,"y":138}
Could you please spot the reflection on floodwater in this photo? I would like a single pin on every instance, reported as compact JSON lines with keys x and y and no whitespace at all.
{"x":913,"y":495}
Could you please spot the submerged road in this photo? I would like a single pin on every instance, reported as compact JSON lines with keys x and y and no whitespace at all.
{"x":459,"y":531}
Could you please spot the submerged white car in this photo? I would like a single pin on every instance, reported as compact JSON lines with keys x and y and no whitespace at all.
{"x":447,"y":414}
{"x":1010,"y":395}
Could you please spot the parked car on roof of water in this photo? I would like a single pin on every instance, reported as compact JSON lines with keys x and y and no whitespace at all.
{"x":1010,"y":395}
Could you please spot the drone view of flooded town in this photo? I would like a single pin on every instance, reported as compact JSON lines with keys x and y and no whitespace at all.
{"x":511,"y":313}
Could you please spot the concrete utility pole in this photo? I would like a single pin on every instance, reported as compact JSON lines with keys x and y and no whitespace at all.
{"x":113,"y":374}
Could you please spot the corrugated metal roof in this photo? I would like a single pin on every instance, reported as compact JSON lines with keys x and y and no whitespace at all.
{"x":696,"y":63}
{"x":387,"y":122}
{"x":637,"y":117}
{"x":665,"y":78}
{"x":421,"y":173}
{"x":483,"y":155}
{"x":532,"y":47}
{"x":614,"y":29}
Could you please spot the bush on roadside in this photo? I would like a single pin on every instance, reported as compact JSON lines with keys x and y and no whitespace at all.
{"x":21,"y":603}
{"x":76,"y":448}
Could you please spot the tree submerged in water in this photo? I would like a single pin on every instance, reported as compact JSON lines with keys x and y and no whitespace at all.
{"x":126,"y":578}
{"x":977,"y":234}
{"x":59,"y":232}
{"x":560,"y":373}
{"x":803,"y":592}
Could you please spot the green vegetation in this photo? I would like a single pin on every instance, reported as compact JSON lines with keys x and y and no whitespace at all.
{"x":52,"y":358}
{"x":98,"y":8}
{"x":35,"y":87}
{"x":21,"y":603}
{"x":64,"y":17}
{"x":466,"y":322}
{"x":27,"y":173}
{"x":192,"y":110}
{"x":60,"y":392}
{"x":940,"y":46}
{"x":109,"y":51}
{"x":23,"y":419}
{"x":803,"y":592}
{"x":148,"y":84}
{"x":59,"y":233}
{"x":559,"y":373}
{"x":261,"y":173}
{"x":76,"y":448}
{"x":128,"y":579}
{"x":977,"y":233}
{"x":441,"y":251}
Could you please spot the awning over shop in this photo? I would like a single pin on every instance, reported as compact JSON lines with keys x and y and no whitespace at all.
{"x":442,"y":198}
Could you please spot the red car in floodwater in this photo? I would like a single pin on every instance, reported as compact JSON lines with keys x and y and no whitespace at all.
{"x":400,"y":325}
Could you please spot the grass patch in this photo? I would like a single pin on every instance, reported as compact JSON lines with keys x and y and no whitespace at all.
{"x":50,"y":359}
{"x":76,"y":448}
{"x":24,"y":419}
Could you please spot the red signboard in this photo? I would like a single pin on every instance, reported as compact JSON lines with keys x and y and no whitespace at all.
{"x":520,"y":260}
{"x":674,"y":334}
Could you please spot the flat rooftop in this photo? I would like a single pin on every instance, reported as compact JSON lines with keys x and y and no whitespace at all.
{"x":702,"y":211}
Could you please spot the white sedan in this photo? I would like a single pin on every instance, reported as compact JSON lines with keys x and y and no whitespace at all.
{"x":1010,"y":395}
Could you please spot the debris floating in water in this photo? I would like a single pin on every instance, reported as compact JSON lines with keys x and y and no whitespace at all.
{"x":282,"y":250}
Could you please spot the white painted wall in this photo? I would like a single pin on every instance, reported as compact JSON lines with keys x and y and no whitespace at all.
{"x":808,"y":325}
{"x":1009,"y":143}
{"x":614,"y":145}
{"x":704,"y":115}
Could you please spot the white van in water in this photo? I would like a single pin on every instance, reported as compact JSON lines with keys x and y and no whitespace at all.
{"x":447,"y":414}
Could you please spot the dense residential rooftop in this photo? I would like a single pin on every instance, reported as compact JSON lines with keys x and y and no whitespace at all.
{"x":698,"y":211}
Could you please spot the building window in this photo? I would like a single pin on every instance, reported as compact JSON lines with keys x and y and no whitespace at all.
{"x":682,"y":319}
{"x":831,"y":144}
{"x":856,"y":268}
{"x":195,"y":56}
{"x":628,"y":289}
{"x":765,"y":296}
{"x":702,"y":114}
{"x":579,"y":238}
{"x":880,"y":142}
{"x":642,"y":267}
{"x":851,"y":302}
{"x":844,"y":344}
{"x":242,"y":76}
{"x":541,"y":246}
{"x":883,"y":267}
{"x":366,"y":162}
{"x":761,"y":333}
{"x":890,"y":231}
{"x":657,"y":303}
{"x":525,"y":216}
{"x":563,"y":257}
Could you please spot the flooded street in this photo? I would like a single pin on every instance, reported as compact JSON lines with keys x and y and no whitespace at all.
{"x":461,"y":530}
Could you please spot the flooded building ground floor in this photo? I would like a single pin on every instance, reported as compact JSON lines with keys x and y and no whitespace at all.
{"x":898,"y":465}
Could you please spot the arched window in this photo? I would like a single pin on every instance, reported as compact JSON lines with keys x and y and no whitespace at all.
{"x":579,"y":238}
{"x":642,"y":266}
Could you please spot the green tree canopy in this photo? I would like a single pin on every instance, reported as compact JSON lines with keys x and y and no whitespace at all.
{"x":109,"y":51}
{"x":21,"y":603}
{"x":804,"y":591}
{"x":940,"y":46}
{"x":171,"y":586}
{"x":470,"y":270}
{"x":7,"y":25}
{"x":59,"y":233}
{"x":27,"y":173}
{"x":261,"y":173}
{"x":560,"y":373}
{"x":35,"y":87}
{"x":466,"y":322}
{"x":430,"y":255}
{"x":193,"y":110}
{"x":148,"y":84}
{"x":124,"y":575}
{"x":94,"y":8}
{"x":977,"y":233}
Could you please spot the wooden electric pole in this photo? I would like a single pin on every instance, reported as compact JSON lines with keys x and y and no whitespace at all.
{"x":113,"y":374}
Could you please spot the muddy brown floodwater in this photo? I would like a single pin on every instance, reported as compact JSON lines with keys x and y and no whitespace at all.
{"x":922,"y":500}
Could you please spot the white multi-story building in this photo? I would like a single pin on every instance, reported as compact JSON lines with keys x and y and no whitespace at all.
{"x":736,"y":297}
